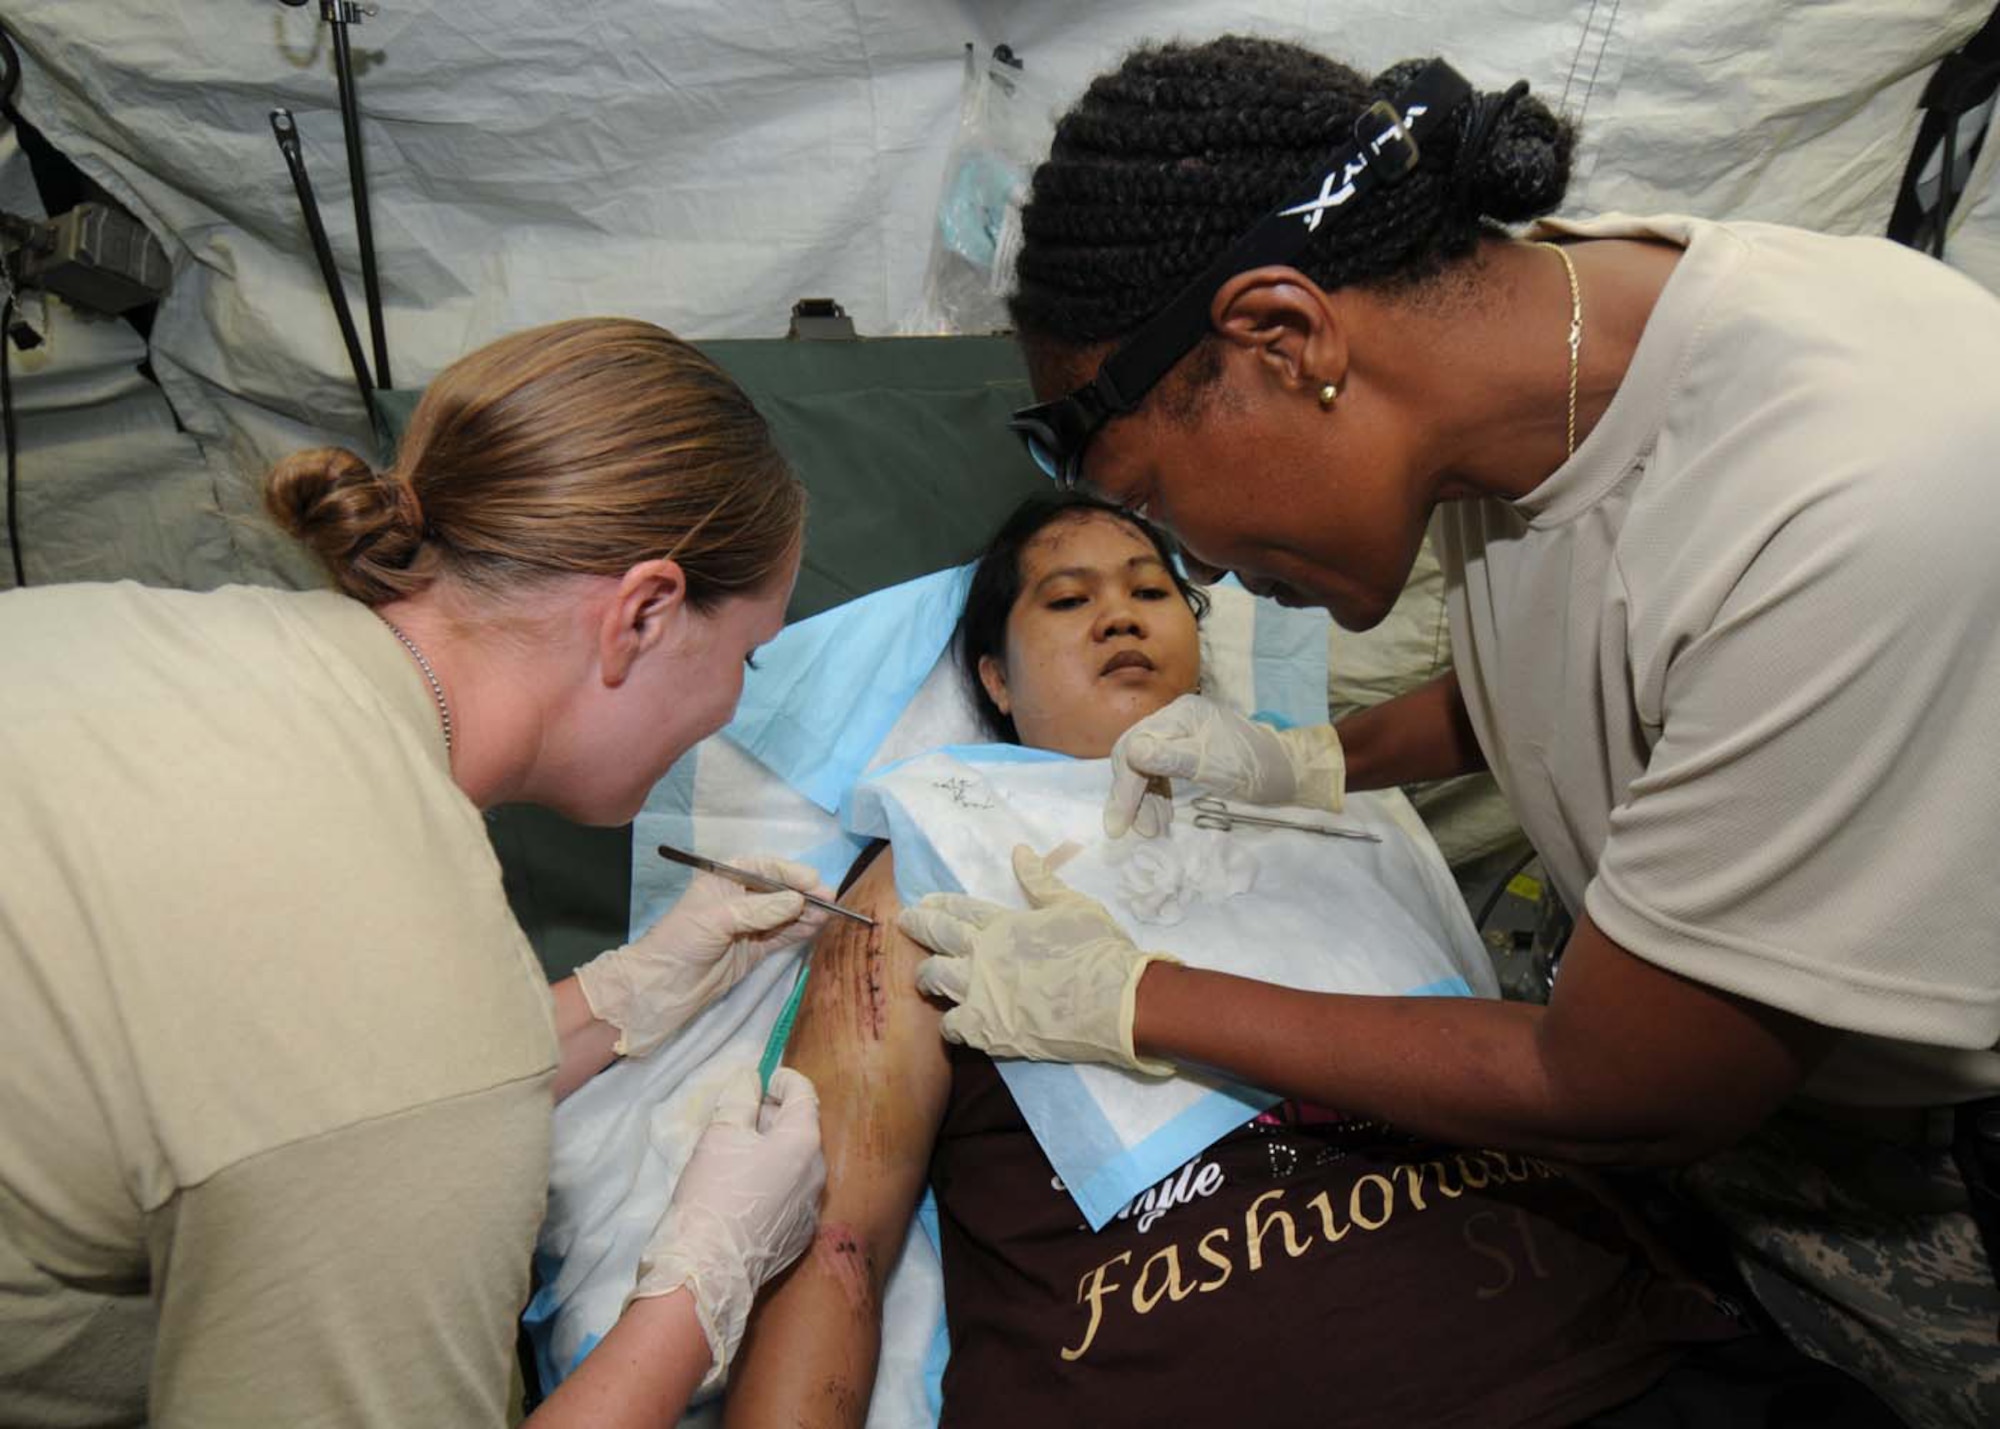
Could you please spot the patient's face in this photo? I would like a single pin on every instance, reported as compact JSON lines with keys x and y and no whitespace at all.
{"x":1098,"y":639}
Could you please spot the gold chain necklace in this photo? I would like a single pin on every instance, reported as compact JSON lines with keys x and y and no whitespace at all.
{"x":1575,"y":336}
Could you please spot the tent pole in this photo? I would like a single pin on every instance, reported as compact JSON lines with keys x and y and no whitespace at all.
{"x":287,"y":132}
{"x":339,"y":14}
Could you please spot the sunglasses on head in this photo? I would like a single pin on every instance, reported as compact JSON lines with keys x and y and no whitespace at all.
{"x":1382,"y":150}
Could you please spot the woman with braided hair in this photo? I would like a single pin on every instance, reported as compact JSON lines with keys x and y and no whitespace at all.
{"x":1712,"y":503}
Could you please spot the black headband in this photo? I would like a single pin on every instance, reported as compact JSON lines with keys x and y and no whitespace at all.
{"x":1384,"y":148}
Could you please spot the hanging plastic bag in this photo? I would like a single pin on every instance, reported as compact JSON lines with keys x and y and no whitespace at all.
{"x":1004,"y":126}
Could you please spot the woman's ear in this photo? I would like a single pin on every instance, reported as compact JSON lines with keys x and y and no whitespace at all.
{"x":648,"y":607}
{"x":1287,"y":322}
{"x":993,"y":677}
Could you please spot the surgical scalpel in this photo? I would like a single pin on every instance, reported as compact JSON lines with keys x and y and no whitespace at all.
{"x":1212,"y":813}
{"x":755,"y":880}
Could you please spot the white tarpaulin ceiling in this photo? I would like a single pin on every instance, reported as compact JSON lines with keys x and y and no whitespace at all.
{"x":703,"y":165}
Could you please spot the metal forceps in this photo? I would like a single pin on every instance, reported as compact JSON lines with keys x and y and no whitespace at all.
{"x":1212,"y":813}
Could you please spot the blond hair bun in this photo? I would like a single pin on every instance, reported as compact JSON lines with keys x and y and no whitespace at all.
{"x":365,"y":525}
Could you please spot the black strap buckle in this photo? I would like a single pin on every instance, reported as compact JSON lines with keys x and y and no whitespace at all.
{"x":1391,"y":148}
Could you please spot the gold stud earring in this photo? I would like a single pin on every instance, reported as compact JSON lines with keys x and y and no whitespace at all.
{"x":1327,"y":394}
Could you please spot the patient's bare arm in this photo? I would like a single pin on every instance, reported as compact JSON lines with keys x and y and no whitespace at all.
{"x":870,"y":1043}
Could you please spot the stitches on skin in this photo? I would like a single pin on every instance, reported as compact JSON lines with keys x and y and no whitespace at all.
{"x":853,"y":958}
{"x":848,"y":1016}
{"x":875,"y":1009}
{"x":859,"y":956}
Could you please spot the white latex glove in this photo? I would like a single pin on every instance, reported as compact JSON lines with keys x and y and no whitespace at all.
{"x":1058,"y":982}
{"x":744,"y":1209}
{"x":1196,"y":739}
{"x":701,"y":947}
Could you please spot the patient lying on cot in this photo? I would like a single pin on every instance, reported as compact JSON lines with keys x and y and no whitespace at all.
{"x":1305,"y":1268}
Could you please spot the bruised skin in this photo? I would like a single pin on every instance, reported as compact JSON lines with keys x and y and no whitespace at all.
{"x":869,"y":1041}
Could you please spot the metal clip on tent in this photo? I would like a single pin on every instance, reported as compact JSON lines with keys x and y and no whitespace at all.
{"x":820,"y":319}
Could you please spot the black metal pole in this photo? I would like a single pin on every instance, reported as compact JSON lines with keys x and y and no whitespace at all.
{"x":336,"y":291}
{"x":339,"y":14}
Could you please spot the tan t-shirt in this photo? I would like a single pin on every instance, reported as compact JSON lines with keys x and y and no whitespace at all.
{"x":275,"y":1059}
{"x":1737,"y":663}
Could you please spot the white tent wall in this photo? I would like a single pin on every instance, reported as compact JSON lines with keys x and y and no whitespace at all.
{"x":703,"y":165}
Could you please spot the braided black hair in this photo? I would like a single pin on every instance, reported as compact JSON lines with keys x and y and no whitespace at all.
{"x":1168,"y":158}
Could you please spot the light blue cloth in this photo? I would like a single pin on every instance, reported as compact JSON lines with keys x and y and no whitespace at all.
{"x":668,"y":818}
{"x":824,"y":695}
{"x":1289,"y":657}
{"x":828,"y":690}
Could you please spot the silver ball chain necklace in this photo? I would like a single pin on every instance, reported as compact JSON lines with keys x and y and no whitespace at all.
{"x":437,"y":690}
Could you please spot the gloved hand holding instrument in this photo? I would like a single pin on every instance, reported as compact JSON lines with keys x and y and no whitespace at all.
{"x":653,"y":986}
{"x":1196,"y":739}
{"x":744,"y":1207}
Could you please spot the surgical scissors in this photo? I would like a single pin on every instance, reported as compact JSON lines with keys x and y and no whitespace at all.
{"x":1212,"y":813}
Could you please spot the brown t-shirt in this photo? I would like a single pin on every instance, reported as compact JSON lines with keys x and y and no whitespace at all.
{"x":1303,"y":1270}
